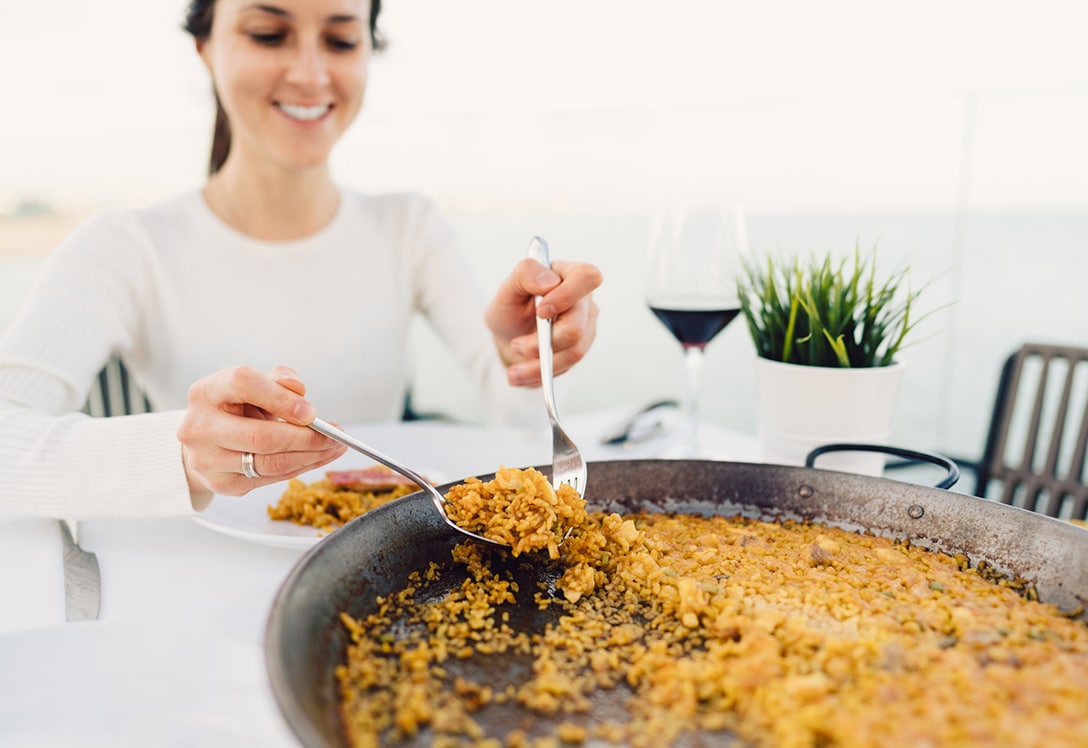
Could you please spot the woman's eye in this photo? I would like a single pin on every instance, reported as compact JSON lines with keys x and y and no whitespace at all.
{"x":269,"y":39}
{"x":342,"y":45}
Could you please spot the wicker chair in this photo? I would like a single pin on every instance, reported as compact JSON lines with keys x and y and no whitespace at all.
{"x":1038,"y":436}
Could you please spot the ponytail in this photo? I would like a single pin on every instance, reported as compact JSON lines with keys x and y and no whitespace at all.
{"x":220,"y":139}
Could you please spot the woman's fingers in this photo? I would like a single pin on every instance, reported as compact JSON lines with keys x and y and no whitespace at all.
{"x":225,"y":474}
{"x":287,"y":377}
{"x":243,"y":389}
{"x":511,"y":312}
{"x":579,"y":280}
{"x":566,"y":297}
{"x":241,"y":410}
{"x":218,"y":462}
{"x":572,"y":335}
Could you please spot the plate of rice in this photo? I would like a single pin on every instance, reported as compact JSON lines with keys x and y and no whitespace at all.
{"x":300,"y":512}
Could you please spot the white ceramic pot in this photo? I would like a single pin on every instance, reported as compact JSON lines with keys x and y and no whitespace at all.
{"x":799,"y":408}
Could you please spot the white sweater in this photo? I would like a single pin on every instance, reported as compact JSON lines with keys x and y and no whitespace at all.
{"x":178,"y":294}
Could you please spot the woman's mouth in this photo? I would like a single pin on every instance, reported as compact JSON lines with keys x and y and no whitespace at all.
{"x":304,"y":113}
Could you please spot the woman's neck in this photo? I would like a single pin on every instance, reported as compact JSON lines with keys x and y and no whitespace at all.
{"x":273,"y":205}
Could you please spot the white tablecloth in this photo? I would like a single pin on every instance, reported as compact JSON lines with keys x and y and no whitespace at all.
{"x":176,"y":656}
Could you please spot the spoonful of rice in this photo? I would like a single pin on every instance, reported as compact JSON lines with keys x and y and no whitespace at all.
{"x":518,"y":508}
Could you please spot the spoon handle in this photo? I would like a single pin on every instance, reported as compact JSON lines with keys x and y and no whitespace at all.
{"x":323,"y":427}
{"x":439,"y":501}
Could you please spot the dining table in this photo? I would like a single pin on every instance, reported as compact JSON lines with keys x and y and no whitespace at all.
{"x":175,"y":656}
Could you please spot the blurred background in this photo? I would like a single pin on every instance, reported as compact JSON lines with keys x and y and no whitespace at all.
{"x":950,"y":135}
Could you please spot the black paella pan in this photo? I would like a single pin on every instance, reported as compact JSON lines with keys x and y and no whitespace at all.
{"x":374,"y":554}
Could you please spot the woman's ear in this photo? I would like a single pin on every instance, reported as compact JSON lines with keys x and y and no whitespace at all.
{"x":202,"y":50}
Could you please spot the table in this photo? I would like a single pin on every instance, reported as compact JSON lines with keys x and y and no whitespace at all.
{"x":176,"y":656}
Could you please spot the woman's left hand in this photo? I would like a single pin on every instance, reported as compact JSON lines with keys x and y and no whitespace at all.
{"x":567,"y":290}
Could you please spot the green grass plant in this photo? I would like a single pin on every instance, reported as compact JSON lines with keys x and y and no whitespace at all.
{"x":822,"y":312}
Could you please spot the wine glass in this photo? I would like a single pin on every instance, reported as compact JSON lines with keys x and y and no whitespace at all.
{"x":696,"y":252}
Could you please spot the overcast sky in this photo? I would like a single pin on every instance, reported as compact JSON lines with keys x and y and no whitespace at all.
{"x":791,"y":102}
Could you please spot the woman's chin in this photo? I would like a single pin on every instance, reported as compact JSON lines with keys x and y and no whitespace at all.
{"x":305,"y":160}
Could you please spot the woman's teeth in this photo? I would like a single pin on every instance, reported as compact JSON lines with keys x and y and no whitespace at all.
{"x":305,"y":113}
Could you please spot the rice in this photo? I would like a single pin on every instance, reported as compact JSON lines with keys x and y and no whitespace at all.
{"x":324,"y":505}
{"x":518,"y":508}
{"x":775,"y":633}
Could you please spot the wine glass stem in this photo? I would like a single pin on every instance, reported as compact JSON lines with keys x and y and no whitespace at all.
{"x":693,"y":362}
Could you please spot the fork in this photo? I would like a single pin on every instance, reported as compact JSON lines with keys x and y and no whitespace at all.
{"x":567,"y":463}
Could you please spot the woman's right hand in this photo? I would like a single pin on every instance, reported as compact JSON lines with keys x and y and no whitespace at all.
{"x":239,"y":410}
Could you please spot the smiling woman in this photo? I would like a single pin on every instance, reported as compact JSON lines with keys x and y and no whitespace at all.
{"x":237,"y":307}
{"x":287,"y":86}
{"x":823,"y":118}
{"x":268,"y":26}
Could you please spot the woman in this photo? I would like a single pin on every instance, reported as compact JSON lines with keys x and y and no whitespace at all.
{"x":210,"y":296}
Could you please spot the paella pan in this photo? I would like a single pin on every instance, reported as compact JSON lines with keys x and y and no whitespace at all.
{"x":371,"y":559}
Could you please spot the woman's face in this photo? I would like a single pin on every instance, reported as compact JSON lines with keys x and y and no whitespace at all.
{"x":290,"y":74}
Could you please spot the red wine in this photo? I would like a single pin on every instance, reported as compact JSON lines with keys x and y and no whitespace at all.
{"x":694,"y":327}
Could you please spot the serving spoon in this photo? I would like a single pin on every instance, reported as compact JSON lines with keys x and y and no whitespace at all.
{"x":337,"y":435}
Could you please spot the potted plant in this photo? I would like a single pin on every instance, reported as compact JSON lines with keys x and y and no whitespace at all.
{"x":827,"y":335}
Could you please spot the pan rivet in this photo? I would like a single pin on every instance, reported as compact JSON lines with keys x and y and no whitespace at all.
{"x":805,"y":492}
{"x":915,"y":512}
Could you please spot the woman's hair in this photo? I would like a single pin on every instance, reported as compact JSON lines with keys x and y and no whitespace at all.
{"x":198,"y":22}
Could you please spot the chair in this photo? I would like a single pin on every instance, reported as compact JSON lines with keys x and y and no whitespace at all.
{"x":115,"y":392}
{"x":1038,"y":433}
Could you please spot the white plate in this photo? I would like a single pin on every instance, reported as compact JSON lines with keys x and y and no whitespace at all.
{"x":246,"y":517}
{"x":121,"y":685}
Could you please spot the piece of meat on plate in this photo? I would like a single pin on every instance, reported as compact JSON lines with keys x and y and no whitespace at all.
{"x":375,"y":478}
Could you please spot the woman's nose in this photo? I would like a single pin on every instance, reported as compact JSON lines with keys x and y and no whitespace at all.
{"x":307,"y":67}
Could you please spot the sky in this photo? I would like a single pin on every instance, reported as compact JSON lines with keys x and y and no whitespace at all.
{"x":837,"y":105}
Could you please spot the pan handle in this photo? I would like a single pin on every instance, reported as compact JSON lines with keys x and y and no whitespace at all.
{"x":953,"y":471}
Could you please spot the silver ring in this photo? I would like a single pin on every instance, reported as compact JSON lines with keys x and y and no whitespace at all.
{"x":248,"y":470}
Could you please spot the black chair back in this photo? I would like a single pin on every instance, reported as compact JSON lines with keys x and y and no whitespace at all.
{"x":1039,"y":432}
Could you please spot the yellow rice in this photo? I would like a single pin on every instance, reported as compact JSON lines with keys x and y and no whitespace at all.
{"x":326,"y":506}
{"x":519,"y":508}
{"x":782,"y":634}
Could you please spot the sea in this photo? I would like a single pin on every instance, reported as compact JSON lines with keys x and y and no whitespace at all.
{"x":988,"y":281}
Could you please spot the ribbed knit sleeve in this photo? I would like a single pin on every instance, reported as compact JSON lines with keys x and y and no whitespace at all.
{"x":76,"y":466}
{"x":54,"y":460}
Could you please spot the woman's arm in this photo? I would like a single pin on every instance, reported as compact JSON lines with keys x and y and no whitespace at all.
{"x":54,"y":459}
{"x":449,"y":294}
